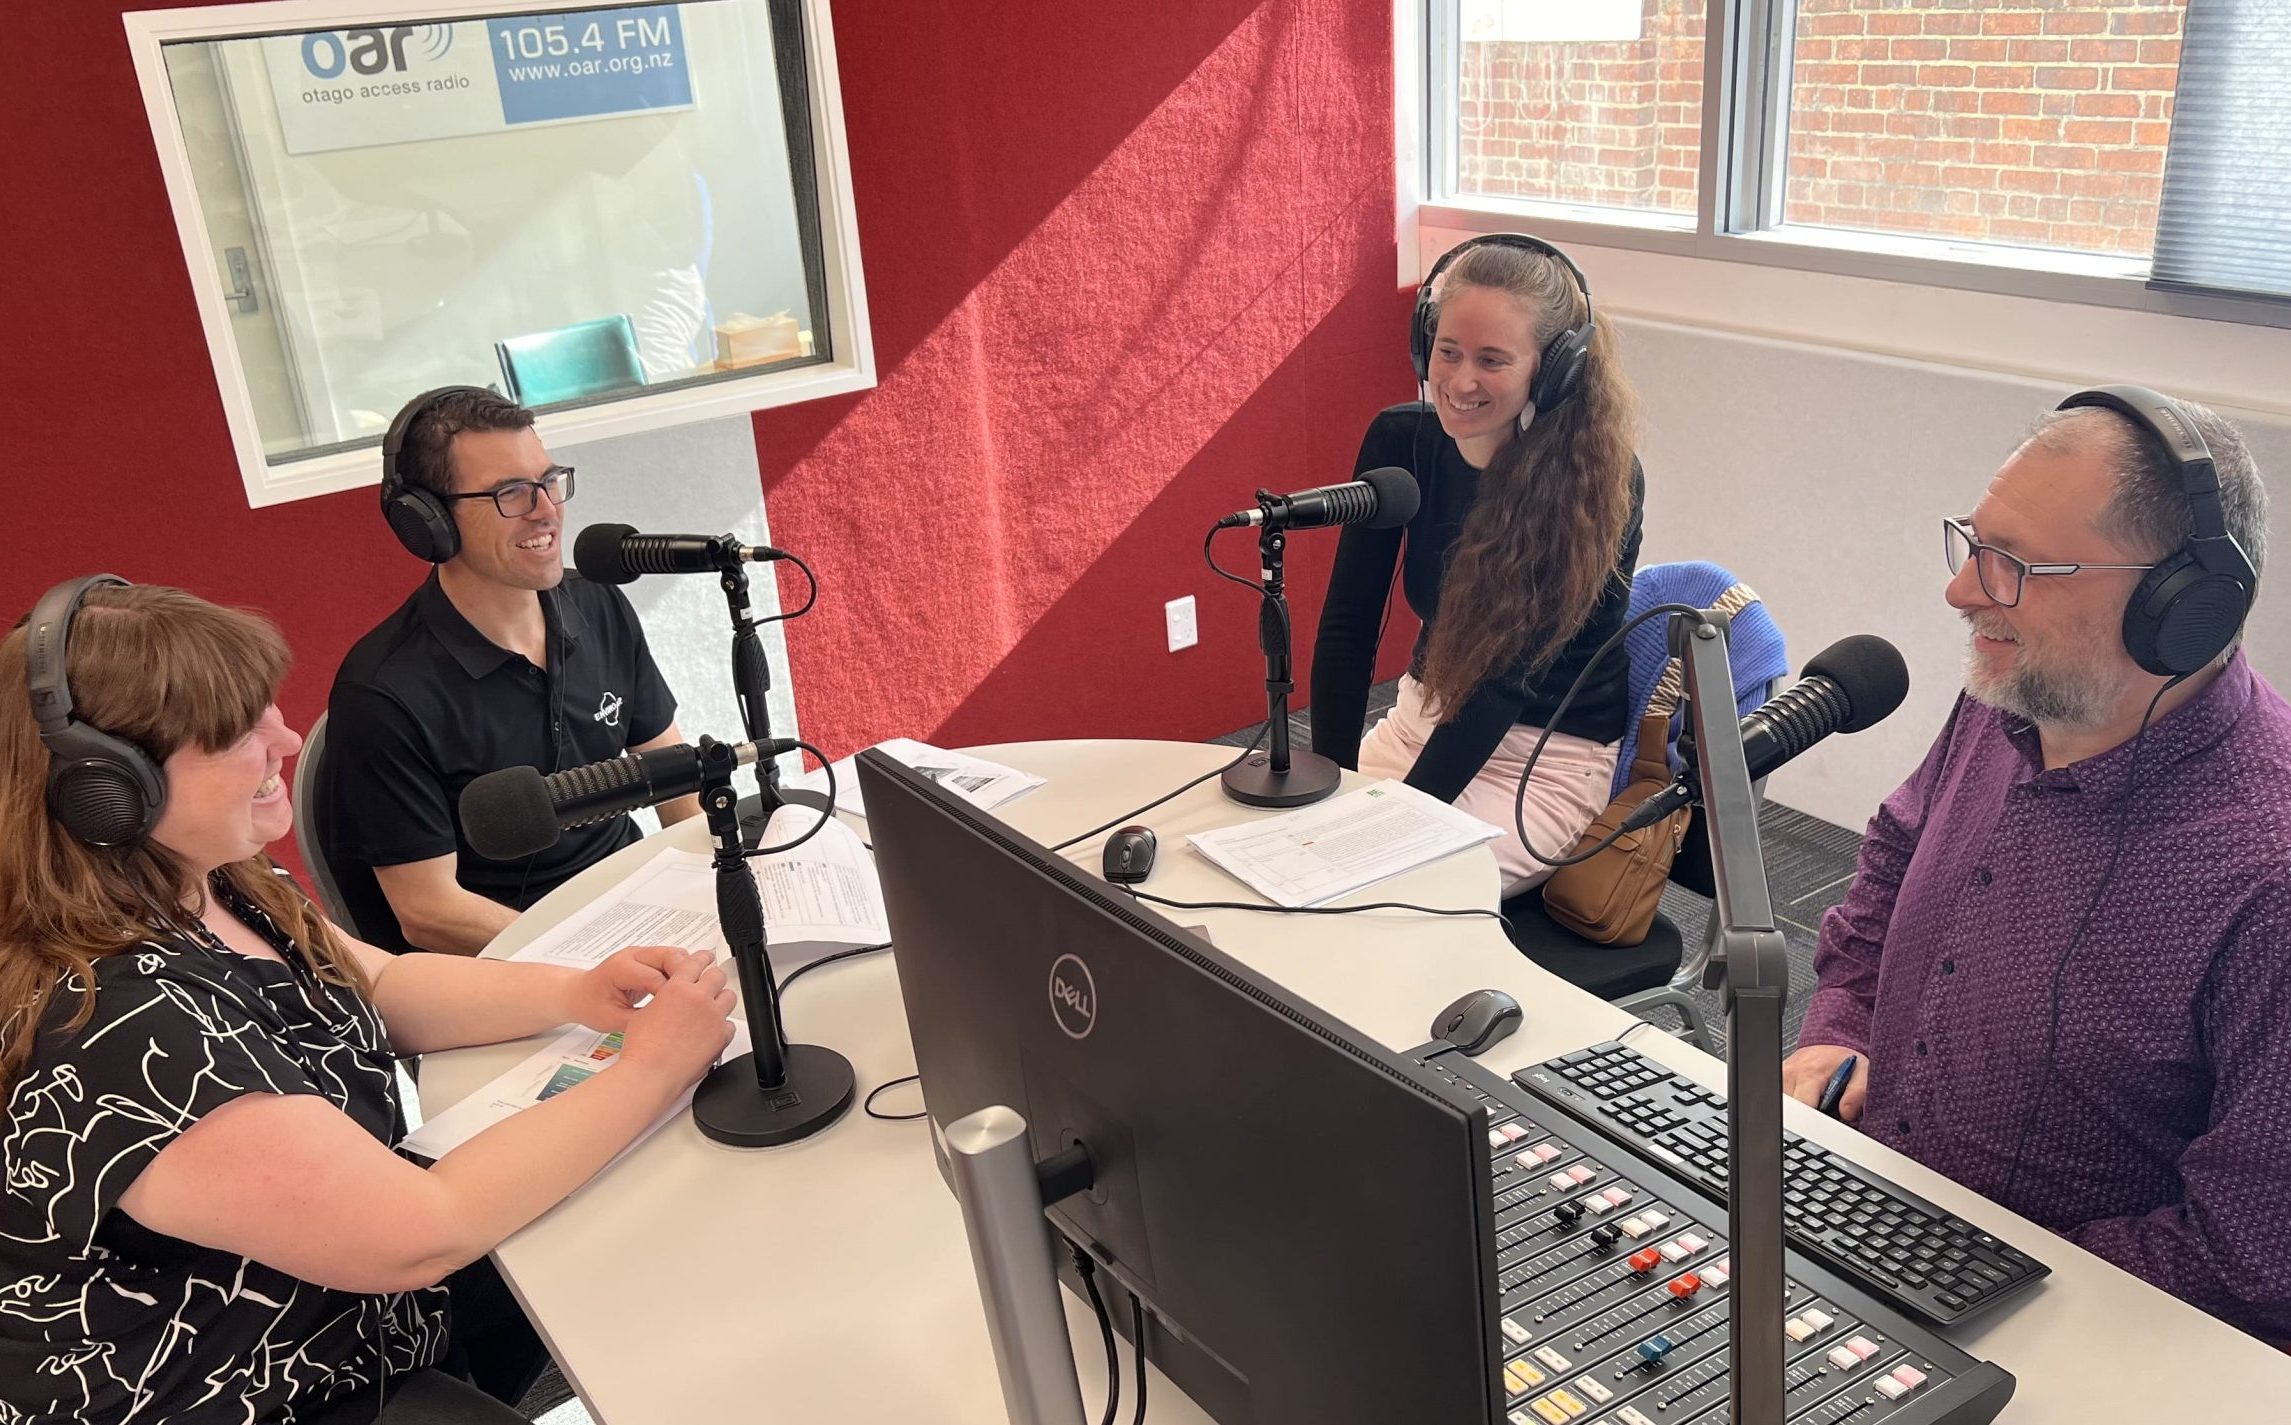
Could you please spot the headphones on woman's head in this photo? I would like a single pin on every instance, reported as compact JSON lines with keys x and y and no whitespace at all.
{"x":2189,"y":606}
{"x":422,"y":522}
{"x":1559,"y":374}
{"x":102,"y":789}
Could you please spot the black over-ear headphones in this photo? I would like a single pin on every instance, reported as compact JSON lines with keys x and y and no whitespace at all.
{"x":102,"y":789}
{"x":422,"y":522}
{"x":1559,"y":374}
{"x":2191,"y":603}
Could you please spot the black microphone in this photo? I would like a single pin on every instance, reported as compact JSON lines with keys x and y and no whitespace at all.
{"x":518,"y":810}
{"x":1854,"y":683}
{"x":1381,"y":499}
{"x":616,"y":553}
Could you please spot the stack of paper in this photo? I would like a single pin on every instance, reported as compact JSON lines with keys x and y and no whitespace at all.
{"x":984,"y":784}
{"x":1324,"y":851}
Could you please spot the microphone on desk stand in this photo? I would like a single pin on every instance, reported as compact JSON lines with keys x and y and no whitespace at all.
{"x":778,"y":1092}
{"x":1385,"y":498}
{"x":617,"y":554}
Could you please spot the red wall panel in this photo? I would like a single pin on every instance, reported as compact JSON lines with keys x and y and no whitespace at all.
{"x":1133,"y":266}
{"x":1125,"y":263}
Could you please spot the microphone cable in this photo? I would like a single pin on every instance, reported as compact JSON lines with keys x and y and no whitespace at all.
{"x":825,"y":816}
{"x":1217,"y":771}
{"x":811,"y":595}
{"x":1519,"y":797}
{"x":1494,"y":915}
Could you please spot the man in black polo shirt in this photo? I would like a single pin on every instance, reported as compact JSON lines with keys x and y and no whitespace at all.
{"x":500,"y":659}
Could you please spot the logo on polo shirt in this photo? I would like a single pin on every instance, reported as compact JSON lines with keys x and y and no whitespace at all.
{"x":608,"y":709}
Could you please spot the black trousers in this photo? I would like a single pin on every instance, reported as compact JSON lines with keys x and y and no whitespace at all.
{"x":491,"y":1361}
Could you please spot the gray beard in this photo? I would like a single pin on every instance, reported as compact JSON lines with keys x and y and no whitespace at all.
{"x":2074,"y":701}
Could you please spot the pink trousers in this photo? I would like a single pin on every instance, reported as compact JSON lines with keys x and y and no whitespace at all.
{"x":1574,"y":781}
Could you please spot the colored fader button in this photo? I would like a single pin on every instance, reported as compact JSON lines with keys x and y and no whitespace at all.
{"x":1654,"y":1348}
{"x":1607,"y":1201}
{"x":1519,"y":1378}
{"x":1686,"y":1286}
{"x":1644,"y":1262}
{"x":1853,"y":1353}
{"x":1903,"y":1380}
{"x":1806,"y":1324}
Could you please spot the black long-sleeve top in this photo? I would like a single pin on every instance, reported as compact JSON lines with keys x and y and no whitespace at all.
{"x":1344,"y":650}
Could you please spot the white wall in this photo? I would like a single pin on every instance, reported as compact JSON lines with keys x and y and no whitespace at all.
{"x":695,"y":479}
{"x":1810,"y":431}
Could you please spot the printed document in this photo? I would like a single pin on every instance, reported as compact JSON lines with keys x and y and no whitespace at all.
{"x":574,"y":1055}
{"x":984,"y":784}
{"x":819,"y":897}
{"x":1354,"y":840}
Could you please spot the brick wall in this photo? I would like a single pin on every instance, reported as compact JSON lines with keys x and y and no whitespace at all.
{"x":2036,"y":122}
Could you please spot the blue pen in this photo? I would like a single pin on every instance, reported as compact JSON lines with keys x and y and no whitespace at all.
{"x":1834,"y":1091}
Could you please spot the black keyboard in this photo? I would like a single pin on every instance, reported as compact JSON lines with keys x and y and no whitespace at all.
{"x":1924,"y":1259}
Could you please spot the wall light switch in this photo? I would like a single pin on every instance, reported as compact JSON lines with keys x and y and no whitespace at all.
{"x":1184,"y":629}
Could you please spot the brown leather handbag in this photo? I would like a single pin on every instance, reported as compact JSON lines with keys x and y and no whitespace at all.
{"x":1611,"y":898}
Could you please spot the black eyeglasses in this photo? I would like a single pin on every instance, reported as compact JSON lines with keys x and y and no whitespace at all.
{"x":2002,"y":575}
{"x":517,"y":499}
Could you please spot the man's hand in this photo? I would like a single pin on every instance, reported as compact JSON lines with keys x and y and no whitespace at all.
{"x":1807,"y":1072}
{"x":604,"y":996}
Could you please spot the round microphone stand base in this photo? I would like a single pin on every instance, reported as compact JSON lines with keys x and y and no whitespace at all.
{"x":1310,"y":778}
{"x":731,"y":1108}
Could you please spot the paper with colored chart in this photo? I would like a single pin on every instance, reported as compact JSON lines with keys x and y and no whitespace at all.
{"x":572,"y":1057}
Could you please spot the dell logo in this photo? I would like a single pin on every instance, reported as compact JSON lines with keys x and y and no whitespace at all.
{"x":1073,"y":997}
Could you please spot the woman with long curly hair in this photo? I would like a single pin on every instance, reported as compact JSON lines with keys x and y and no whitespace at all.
{"x":202,"y":1215}
{"x":1518,"y":560}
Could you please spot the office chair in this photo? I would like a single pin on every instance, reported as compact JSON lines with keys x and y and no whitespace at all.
{"x":1655,"y":973}
{"x":584,"y":359}
{"x":307,"y":805}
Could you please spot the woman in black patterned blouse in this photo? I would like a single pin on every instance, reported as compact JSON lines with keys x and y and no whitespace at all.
{"x":203,"y":1217}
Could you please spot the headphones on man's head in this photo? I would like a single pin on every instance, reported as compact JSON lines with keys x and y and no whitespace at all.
{"x":102,"y":789}
{"x":1559,"y":374}
{"x":422,"y":522}
{"x":2189,"y":606}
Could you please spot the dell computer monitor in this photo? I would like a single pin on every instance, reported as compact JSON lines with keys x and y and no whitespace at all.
{"x":1306,"y":1217}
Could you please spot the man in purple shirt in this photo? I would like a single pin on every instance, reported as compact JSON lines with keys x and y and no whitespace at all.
{"x":2065,"y":962}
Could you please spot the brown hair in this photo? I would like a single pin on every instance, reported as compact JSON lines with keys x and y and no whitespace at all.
{"x":1541,"y":541}
{"x":163,"y":670}
{"x":425,"y":456}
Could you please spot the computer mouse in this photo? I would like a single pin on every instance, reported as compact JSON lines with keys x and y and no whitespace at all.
{"x":1129,"y":855}
{"x":1480,"y":1020}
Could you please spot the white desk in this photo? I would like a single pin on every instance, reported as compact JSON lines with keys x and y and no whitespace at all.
{"x":828,"y":1281}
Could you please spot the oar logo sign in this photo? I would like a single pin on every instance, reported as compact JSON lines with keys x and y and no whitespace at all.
{"x":326,"y":53}
{"x":1073,"y":997}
